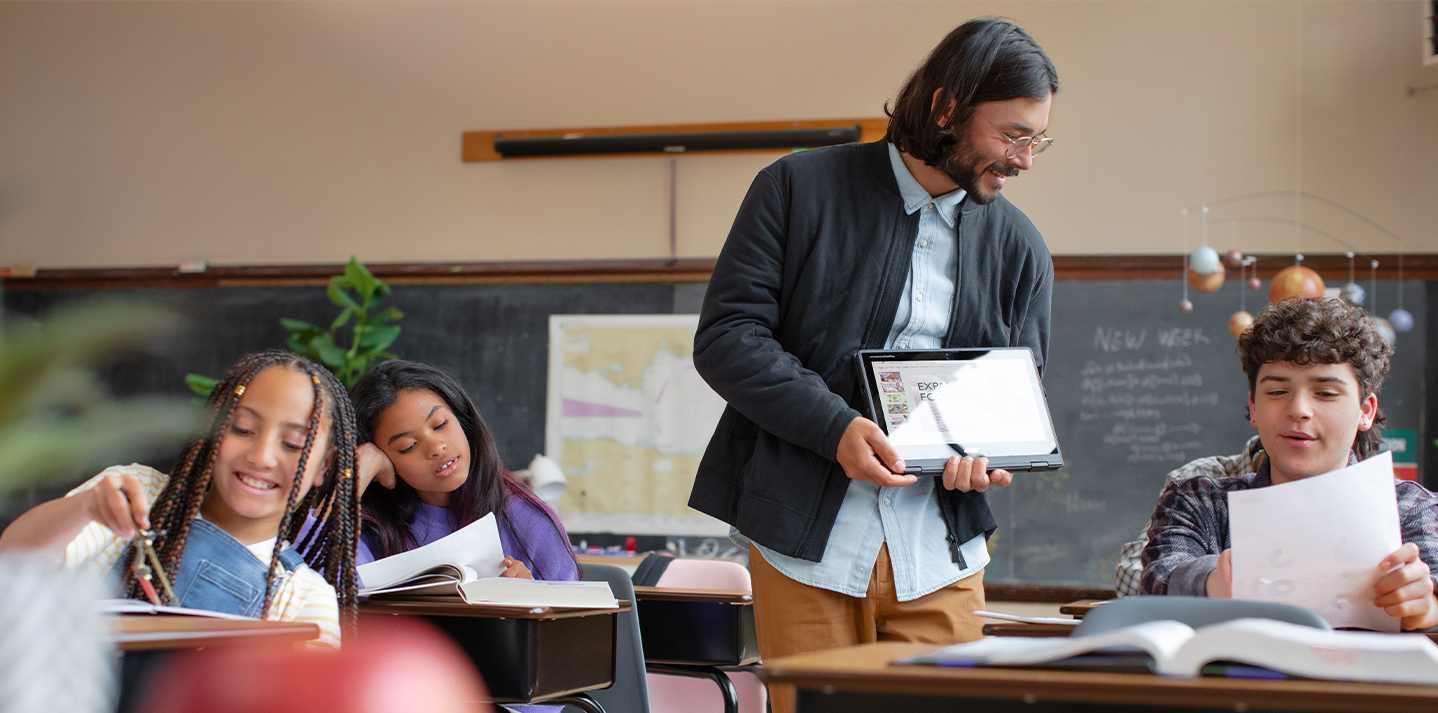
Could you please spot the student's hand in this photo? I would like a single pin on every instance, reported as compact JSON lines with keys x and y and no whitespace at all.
{"x":118,"y":502}
{"x":1407,"y":591}
{"x":515,"y":568}
{"x":860,"y":451}
{"x":373,"y":464}
{"x":1220,"y":580}
{"x":968,"y":474}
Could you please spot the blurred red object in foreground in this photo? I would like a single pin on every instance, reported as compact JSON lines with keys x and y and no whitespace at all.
{"x":396,"y":665}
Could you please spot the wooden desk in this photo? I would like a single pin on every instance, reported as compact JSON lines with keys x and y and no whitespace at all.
{"x":152,"y":632}
{"x":861,"y":678}
{"x":524,"y":655}
{"x":147,"y":641}
{"x":1014,"y":628}
{"x":1081,"y":607}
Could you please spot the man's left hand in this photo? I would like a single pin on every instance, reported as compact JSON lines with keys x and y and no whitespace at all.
{"x":1407,"y":591}
{"x":969,"y":474}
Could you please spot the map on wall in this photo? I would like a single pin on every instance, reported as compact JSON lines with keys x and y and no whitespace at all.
{"x":627,"y":420}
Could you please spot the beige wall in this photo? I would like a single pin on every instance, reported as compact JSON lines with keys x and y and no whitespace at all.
{"x":146,"y":133}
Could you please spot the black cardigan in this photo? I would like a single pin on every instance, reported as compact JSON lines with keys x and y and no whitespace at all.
{"x":811,"y":272}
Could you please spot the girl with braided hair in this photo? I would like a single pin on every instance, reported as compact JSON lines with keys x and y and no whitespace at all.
{"x":276,"y":440}
{"x":419,"y":424}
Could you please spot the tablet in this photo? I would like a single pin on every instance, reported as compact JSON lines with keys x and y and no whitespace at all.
{"x":938,"y":403}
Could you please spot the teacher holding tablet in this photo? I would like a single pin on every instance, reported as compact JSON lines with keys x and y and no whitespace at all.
{"x":905,"y":243}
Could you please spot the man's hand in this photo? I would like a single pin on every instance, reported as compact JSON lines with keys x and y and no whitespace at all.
{"x":118,"y":502}
{"x":1406,"y":592}
{"x":1220,"y":580}
{"x":970,"y":474}
{"x":516,"y":569}
{"x":373,"y":465}
{"x":861,"y":451}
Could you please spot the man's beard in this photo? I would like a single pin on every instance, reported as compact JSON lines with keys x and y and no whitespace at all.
{"x":960,"y":166}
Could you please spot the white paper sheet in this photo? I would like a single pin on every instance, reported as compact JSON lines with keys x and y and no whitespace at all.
{"x":1316,"y":543}
{"x":475,"y":545}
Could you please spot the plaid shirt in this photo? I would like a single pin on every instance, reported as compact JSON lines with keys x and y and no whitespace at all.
{"x":1189,"y":529}
{"x":1130,"y":558}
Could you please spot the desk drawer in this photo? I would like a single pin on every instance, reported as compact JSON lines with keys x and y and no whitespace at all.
{"x":708,"y":633}
{"x":523,"y":660}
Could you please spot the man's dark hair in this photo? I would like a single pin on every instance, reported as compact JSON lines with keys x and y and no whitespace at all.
{"x":1320,"y":330}
{"x":980,"y":61}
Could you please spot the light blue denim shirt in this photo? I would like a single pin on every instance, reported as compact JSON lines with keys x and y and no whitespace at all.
{"x":907,"y":518}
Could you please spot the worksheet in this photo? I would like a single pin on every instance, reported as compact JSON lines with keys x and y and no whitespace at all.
{"x":1316,"y":543}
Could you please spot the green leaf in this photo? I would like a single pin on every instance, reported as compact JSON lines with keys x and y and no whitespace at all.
{"x":340,"y":320}
{"x":301,"y":346}
{"x":298,"y":326}
{"x":328,"y":352}
{"x":381,"y":291}
{"x":201,"y":385}
{"x":362,"y":280}
{"x":339,"y":296}
{"x":385,"y":316}
{"x":378,"y":338}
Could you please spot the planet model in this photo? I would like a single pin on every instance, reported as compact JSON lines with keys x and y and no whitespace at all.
{"x":1295,"y":281}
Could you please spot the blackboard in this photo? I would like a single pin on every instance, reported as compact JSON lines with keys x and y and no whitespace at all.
{"x":1136,"y":387}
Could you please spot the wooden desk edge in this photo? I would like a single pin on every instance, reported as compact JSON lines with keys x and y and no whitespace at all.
{"x":871,"y":669}
{"x":1081,"y":607}
{"x":148,"y":632}
{"x":670,"y":594}
{"x":449,"y":606}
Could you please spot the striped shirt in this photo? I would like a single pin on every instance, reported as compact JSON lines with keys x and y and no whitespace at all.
{"x":302,"y":595}
{"x":1189,"y":529}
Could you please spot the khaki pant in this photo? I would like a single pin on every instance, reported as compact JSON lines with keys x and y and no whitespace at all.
{"x":794,"y":618}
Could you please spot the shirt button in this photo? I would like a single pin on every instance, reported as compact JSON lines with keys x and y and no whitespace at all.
{"x":919,"y":297}
{"x":886,"y":501}
{"x":923,"y":243}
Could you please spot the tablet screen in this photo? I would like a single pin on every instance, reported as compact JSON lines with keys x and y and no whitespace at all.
{"x":969,"y":402}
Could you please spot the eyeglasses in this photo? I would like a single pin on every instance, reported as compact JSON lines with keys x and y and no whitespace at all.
{"x":1035,"y":144}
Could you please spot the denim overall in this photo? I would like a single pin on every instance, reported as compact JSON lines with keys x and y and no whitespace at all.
{"x":217,"y":573}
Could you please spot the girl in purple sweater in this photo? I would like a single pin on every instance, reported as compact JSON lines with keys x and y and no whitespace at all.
{"x":418,"y":419}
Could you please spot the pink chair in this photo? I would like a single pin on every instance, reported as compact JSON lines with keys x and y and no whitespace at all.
{"x":678,"y":694}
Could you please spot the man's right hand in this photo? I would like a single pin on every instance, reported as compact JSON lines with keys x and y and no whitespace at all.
{"x":861,"y":451}
{"x":1220,"y":580}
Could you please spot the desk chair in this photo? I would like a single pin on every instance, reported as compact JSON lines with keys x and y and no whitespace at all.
{"x":688,"y":692}
{"x":630,"y":692}
{"x":1195,"y":611}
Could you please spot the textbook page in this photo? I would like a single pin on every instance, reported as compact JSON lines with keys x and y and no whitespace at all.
{"x":475,"y":545}
{"x":1316,"y":543}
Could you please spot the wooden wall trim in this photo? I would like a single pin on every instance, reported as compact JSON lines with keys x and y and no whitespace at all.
{"x":1333,"y":268}
{"x":676,"y":271}
{"x":478,"y":146}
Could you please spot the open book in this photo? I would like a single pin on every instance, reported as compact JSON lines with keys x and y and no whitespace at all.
{"x":466,"y":563}
{"x":438,"y":568}
{"x":1175,"y":649}
{"x":135,"y":606}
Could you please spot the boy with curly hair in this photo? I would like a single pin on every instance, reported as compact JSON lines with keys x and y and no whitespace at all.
{"x":1314,"y":369}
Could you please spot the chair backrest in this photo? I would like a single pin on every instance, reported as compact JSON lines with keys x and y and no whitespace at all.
{"x":705,"y":574}
{"x":1197,"y":612}
{"x":630,"y":691}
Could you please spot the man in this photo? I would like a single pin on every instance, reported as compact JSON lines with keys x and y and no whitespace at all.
{"x":903,"y":243}
{"x":1314,"y":369}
